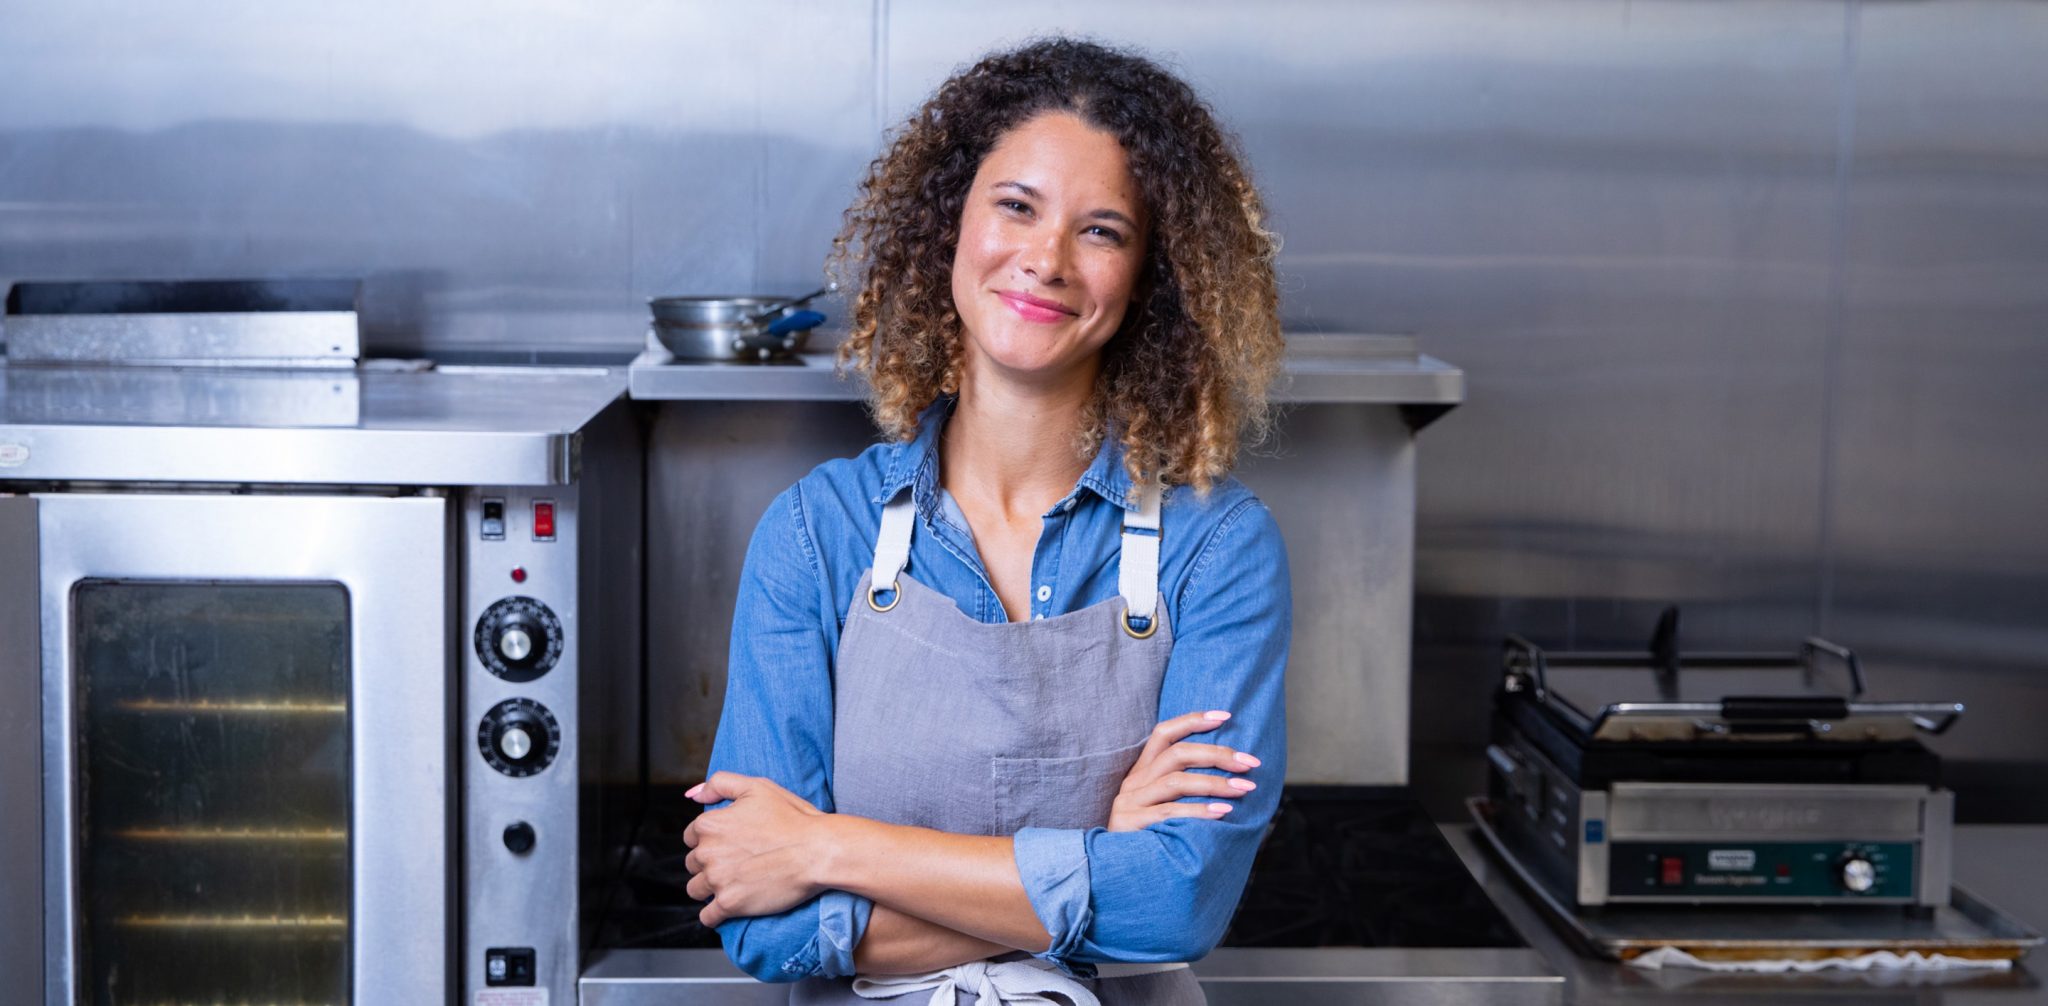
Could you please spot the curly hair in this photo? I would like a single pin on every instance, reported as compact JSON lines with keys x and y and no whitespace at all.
{"x":1184,"y":380}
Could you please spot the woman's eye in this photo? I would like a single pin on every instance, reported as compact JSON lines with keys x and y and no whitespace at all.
{"x":1013,"y":205}
{"x":1113,"y":236}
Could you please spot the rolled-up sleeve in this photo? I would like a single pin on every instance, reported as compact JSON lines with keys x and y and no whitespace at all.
{"x":1167,"y":893}
{"x":777,"y":723}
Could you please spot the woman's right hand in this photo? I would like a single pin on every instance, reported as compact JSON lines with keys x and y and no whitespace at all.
{"x":1153,"y":788}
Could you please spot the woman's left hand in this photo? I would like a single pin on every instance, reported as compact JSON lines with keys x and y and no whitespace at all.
{"x":753,"y":857}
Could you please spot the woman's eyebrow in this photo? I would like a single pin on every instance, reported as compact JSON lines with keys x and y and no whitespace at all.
{"x":1113,"y":215}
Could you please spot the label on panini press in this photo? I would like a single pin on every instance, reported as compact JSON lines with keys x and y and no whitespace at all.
{"x":535,"y":996}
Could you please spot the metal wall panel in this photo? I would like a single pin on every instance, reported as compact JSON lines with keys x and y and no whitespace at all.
{"x":1938,"y":560}
{"x":1614,"y":217}
{"x":714,"y":469}
{"x":505,"y":176}
{"x":1749,"y":293}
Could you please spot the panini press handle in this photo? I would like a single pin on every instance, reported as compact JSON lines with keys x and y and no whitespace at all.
{"x":1780,"y":708}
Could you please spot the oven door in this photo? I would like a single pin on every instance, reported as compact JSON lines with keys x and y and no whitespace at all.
{"x":245,"y":748}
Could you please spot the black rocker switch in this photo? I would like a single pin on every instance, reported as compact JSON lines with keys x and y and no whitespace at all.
{"x":508,"y":966}
{"x":492,"y":527}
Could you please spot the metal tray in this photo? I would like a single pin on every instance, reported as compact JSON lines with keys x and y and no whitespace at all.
{"x":1967,"y":926}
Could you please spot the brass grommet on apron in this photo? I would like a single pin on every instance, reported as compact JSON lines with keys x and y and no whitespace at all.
{"x":1151,"y":626}
{"x":874,"y":592}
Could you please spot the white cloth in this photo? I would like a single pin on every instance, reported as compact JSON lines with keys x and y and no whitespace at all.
{"x":1013,"y":983}
{"x":1879,"y":960}
{"x":1001,"y":984}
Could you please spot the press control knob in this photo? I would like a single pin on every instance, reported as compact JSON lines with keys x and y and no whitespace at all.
{"x":519,"y":737}
{"x":519,"y":837}
{"x":1858,"y":874}
{"x":518,"y":639}
{"x":514,"y":644}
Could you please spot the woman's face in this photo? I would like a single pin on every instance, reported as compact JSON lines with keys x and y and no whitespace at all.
{"x":1051,"y":243}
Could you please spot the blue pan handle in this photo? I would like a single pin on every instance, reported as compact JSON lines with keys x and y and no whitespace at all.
{"x":795,"y":321}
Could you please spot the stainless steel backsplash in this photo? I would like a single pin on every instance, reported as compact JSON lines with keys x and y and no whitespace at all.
{"x":1753,"y":296}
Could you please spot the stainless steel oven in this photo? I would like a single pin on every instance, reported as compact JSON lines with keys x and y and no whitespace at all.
{"x":296,"y":663}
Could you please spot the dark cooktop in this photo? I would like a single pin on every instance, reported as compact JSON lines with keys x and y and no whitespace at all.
{"x":1342,"y":866}
{"x":1347,"y":866}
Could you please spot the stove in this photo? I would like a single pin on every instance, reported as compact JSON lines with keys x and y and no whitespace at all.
{"x":1341,"y":866}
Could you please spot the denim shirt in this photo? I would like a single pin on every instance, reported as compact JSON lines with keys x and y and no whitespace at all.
{"x":1164,"y":893}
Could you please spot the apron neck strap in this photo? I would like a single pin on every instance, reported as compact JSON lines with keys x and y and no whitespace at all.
{"x":892,"y":546}
{"x":1137,"y":576}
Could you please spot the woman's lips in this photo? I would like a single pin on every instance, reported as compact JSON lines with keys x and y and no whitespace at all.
{"x":1037,"y":309}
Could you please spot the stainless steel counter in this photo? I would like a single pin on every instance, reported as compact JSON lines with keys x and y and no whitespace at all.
{"x":369,"y":426}
{"x":1998,"y":862}
{"x":1395,"y":977}
{"x":1357,"y":369}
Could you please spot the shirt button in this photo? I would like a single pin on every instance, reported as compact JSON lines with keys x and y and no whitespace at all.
{"x":1040,"y":617}
{"x":1045,"y":592}
{"x":1068,"y":505}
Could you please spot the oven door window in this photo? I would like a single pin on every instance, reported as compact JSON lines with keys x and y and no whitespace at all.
{"x":213,"y":741}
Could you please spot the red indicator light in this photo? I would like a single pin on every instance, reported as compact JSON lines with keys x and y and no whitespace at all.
{"x":1784,"y":869}
{"x":519,"y":574}
{"x":1673,"y":871}
{"x":544,"y":519}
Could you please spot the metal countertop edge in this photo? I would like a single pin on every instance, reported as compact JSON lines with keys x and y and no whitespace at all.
{"x":336,"y":456}
{"x":1523,"y":966}
{"x":1421,"y":380}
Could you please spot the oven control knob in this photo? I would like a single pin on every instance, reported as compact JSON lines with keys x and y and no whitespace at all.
{"x":518,"y":639}
{"x":1858,"y":875}
{"x":519,"y":737}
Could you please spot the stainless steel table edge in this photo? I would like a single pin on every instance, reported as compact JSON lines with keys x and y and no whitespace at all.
{"x":1306,"y":379}
{"x":200,"y":454}
{"x":1231,"y":974}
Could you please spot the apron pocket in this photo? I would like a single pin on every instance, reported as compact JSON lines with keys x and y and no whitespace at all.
{"x":1071,"y":792}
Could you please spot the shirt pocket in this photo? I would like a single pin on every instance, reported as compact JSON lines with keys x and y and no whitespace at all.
{"x":1072,"y":792}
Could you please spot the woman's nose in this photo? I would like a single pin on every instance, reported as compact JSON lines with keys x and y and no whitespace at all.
{"x":1046,"y":260}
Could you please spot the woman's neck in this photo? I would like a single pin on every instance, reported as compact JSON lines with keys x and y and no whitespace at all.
{"x":1012,"y":446}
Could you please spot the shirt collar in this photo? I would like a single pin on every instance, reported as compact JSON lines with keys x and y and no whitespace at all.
{"x":916,"y":466}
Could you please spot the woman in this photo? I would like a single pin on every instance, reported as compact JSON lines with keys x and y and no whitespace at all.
{"x":938,"y":740}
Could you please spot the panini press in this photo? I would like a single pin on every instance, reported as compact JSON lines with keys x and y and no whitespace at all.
{"x":1717,"y":778}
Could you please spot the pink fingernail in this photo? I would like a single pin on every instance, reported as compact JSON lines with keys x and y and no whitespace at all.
{"x":1247,"y":759}
{"x":1216,"y":714}
{"x":691,"y":793}
{"x":1219,"y":809}
{"x":1244,"y":784}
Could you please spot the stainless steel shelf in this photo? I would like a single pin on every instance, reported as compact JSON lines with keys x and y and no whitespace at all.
{"x":1319,"y":369}
{"x":367,"y":426}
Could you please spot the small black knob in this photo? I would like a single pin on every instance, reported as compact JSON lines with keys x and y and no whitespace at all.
{"x":519,"y":837}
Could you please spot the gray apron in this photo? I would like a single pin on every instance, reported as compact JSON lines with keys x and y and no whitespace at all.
{"x":946,"y":722}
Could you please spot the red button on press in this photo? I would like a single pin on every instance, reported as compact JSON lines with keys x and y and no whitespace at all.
{"x":544,"y":520}
{"x":1673,"y":871}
